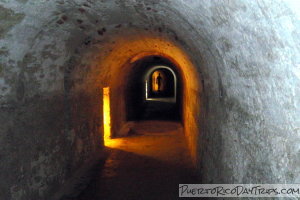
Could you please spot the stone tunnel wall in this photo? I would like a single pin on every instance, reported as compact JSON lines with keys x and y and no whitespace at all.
{"x":246,"y":53}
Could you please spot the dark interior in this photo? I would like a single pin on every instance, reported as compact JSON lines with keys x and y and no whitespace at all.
{"x":136,"y":105}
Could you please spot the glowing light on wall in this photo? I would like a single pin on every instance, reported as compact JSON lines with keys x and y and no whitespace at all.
{"x":106,"y":116}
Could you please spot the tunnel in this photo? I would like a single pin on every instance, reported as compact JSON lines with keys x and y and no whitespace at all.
{"x":100,"y":97}
{"x":153,"y":90}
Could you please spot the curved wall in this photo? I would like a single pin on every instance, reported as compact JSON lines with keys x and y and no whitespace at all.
{"x":57,"y":55}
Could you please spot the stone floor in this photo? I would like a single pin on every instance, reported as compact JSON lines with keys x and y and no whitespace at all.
{"x":146,"y":165}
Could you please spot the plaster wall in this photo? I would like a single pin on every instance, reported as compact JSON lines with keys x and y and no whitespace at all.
{"x":245,"y":55}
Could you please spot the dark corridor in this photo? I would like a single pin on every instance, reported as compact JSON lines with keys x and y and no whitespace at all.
{"x":158,"y":106}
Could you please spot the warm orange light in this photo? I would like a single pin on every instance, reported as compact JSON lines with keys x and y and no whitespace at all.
{"x":108,"y":141}
{"x":106,"y":116}
{"x":158,"y":82}
{"x":117,"y":57}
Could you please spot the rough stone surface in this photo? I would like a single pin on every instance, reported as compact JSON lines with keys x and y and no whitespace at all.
{"x":245,"y":54}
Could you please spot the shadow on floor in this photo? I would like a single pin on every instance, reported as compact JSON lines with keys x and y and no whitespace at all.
{"x":155,"y":126}
{"x":127,"y":176}
{"x":147,"y":166}
{"x":160,"y":111}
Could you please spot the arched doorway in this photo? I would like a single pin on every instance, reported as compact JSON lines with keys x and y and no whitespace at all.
{"x":161,"y":84}
{"x":152,"y":91}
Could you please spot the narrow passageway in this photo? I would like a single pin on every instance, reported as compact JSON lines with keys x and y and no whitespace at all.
{"x":149,"y":164}
{"x":76,"y":72}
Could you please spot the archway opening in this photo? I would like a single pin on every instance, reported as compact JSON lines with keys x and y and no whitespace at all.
{"x":130,"y":64}
{"x":153,"y":90}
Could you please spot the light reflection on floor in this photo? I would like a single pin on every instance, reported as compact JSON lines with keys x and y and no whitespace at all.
{"x":147,"y":165}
